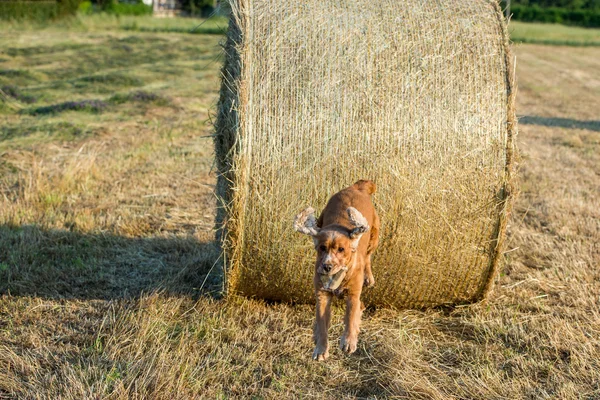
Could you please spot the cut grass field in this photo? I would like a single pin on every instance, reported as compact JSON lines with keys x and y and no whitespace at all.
{"x":109,"y":275}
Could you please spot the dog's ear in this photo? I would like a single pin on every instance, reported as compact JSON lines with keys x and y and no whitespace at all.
{"x":306,"y":223}
{"x":361,"y":225}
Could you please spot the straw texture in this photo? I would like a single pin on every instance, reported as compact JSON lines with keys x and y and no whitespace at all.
{"x":415,"y":95}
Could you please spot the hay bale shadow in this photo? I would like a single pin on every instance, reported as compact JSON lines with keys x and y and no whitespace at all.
{"x":560,"y":122}
{"x":60,"y":264}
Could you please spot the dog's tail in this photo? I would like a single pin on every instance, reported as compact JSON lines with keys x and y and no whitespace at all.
{"x":367,"y":186}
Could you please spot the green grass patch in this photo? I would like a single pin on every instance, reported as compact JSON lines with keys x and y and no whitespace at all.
{"x":13,"y":73}
{"x":18,"y":76}
{"x":15,"y":93}
{"x":106,"y":83}
{"x":201,"y":30}
{"x":553,"y":34}
{"x":210,"y":26}
{"x":44,"y":49}
{"x":117,"y":79}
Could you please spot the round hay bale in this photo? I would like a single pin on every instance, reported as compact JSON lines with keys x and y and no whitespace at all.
{"x":415,"y":95}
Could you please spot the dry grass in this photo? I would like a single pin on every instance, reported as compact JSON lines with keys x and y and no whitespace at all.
{"x":106,"y":236}
{"x":81,"y":191}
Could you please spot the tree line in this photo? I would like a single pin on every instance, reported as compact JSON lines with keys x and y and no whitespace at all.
{"x":584,"y":13}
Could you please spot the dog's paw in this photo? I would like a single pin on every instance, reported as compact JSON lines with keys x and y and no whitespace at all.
{"x":369,"y":282}
{"x":348,"y":344}
{"x":320,"y":354}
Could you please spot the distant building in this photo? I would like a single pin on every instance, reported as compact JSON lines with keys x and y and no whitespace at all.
{"x":167,"y":8}
{"x":172,"y":8}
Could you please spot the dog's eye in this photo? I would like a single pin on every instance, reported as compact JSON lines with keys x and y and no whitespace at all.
{"x":322,"y":248}
{"x":341,"y":249}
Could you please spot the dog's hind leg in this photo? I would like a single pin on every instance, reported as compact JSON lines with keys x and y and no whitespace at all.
{"x":323,"y":320}
{"x":373,"y":243}
{"x":354,"y":307}
{"x":369,"y":279}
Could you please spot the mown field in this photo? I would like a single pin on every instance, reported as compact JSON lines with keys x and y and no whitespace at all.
{"x":109,"y":286}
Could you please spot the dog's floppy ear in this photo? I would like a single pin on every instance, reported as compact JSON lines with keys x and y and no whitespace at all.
{"x":361,"y":225}
{"x":306,"y":223}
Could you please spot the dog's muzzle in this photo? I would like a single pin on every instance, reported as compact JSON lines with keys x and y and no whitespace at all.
{"x":332,"y":282}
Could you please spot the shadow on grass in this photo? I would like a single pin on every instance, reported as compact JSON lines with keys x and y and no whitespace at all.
{"x":560,"y":122}
{"x":60,"y":264}
{"x":372,"y":383}
{"x":555,"y":42}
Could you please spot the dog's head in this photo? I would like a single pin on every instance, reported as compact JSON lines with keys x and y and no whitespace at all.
{"x":334,"y":244}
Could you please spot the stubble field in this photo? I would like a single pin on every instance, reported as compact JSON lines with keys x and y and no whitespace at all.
{"x":109,"y":278}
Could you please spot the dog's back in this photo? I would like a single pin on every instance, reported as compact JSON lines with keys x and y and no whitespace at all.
{"x":357,"y":196}
{"x":365,"y":186}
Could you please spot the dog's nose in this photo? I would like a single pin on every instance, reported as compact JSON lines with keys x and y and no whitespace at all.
{"x":326,"y":267}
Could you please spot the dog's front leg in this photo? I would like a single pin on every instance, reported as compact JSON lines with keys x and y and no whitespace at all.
{"x":349,"y":339}
{"x":322,"y":325}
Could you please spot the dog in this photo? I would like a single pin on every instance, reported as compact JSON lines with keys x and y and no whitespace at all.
{"x":345,"y":236}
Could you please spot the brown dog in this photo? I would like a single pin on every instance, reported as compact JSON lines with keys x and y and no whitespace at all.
{"x":343,"y":262}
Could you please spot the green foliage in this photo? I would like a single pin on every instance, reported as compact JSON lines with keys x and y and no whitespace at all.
{"x":67,"y":7}
{"x":85,"y":7}
{"x":37,"y":10}
{"x":586,"y":18}
{"x":201,"y":8}
{"x":584,"y":13}
{"x":127,"y":9}
{"x":568,"y":4}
